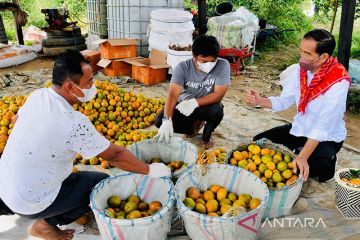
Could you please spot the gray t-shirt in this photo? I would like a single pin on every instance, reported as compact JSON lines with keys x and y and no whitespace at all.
{"x":198,"y":84}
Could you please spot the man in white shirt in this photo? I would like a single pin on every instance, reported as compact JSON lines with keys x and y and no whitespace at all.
{"x":318,"y":85}
{"x":36,"y":176}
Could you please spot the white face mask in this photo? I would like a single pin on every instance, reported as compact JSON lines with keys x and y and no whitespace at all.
{"x":88,"y":93}
{"x":206,"y":67}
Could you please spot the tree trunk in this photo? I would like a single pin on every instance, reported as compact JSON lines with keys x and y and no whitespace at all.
{"x":3,"y":37}
{"x":334,"y":16}
{"x":19,"y":33}
{"x":346,"y":29}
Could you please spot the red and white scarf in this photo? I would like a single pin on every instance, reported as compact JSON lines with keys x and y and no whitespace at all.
{"x":330,"y":73}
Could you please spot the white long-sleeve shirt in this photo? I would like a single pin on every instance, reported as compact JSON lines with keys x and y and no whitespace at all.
{"x":323,"y":117}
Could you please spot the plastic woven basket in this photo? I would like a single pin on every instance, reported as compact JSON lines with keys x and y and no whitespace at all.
{"x":347,"y":196}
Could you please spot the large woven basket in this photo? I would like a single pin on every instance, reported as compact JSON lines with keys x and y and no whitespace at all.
{"x":347,"y":195}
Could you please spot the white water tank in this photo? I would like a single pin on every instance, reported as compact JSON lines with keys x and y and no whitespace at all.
{"x":96,"y":16}
{"x":170,"y":26}
{"x":130,"y":18}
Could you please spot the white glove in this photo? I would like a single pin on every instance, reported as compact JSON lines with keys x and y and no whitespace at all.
{"x":187,"y":107}
{"x":158,"y":170}
{"x":166,"y":131}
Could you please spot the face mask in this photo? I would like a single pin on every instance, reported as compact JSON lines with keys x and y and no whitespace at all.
{"x":88,"y":93}
{"x":308,"y":65}
{"x":206,"y":67}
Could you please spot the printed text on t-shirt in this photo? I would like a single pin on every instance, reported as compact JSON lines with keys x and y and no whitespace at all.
{"x":205,"y":83}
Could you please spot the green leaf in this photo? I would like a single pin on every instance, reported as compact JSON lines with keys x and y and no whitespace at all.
{"x":354,"y":173}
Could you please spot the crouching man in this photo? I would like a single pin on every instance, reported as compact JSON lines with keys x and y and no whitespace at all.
{"x":196,"y":90}
{"x":318,"y":85}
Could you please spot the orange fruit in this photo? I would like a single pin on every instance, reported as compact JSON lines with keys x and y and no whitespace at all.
{"x":265,"y":151}
{"x":155,"y":206}
{"x":251,"y":167}
{"x":290,"y":165}
{"x":291,"y":180}
{"x":254,"y":203}
{"x":224,"y":209}
{"x":271,"y":165}
{"x":238,"y":155}
{"x":213,"y":214}
{"x":83,"y":220}
{"x":268,"y":173}
{"x":257,"y":173}
{"x":105,"y":164}
{"x":193,"y":192}
{"x":233,"y":161}
{"x":287,"y":174}
{"x":208,"y":195}
{"x":215,"y":188}
{"x":221,"y":194}
{"x":211,"y":205}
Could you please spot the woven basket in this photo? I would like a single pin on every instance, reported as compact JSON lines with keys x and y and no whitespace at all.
{"x":347,"y":195}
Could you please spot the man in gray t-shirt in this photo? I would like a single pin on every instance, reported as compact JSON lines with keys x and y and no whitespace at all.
{"x":196,"y":89}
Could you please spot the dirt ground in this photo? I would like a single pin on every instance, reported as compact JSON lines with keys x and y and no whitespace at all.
{"x":262,"y":76}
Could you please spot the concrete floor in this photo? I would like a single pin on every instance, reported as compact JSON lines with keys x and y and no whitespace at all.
{"x":15,"y":228}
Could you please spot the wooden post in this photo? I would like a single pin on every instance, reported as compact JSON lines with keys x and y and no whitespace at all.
{"x":346,"y":29}
{"x":19,"y":33}
{"x":202,"y":16}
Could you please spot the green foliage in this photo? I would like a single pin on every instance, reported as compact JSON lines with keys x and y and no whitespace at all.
{"x":33,"y":8}
{"x":355,"y":173}
{"x":355,"y":45}
{"x":325,"y":8}
{"x":353,"y":101}
{"x":284,"y":14}
{"x":77,"y":9}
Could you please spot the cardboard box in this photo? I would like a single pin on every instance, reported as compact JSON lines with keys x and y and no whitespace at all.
{"x":117,"y":67}
{"x":117,"y":48}
{"x":150,"y":70}
{"x":93,"y":57}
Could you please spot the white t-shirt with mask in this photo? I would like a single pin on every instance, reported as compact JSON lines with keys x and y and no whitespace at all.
{"x":39,"y":153}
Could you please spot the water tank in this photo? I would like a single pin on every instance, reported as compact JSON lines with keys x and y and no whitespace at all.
{"x":96,"y":16}
{"x":130,"y":18}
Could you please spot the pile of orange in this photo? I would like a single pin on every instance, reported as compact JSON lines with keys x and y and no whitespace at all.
{"x":9,"y":106}
{"x":217,"y":201}
{"x":131,"y":208}
{"x":273,"y":167}
{"x":118,"y":114}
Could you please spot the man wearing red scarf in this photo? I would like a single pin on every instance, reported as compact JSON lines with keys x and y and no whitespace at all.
{"x":318,"y":85}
